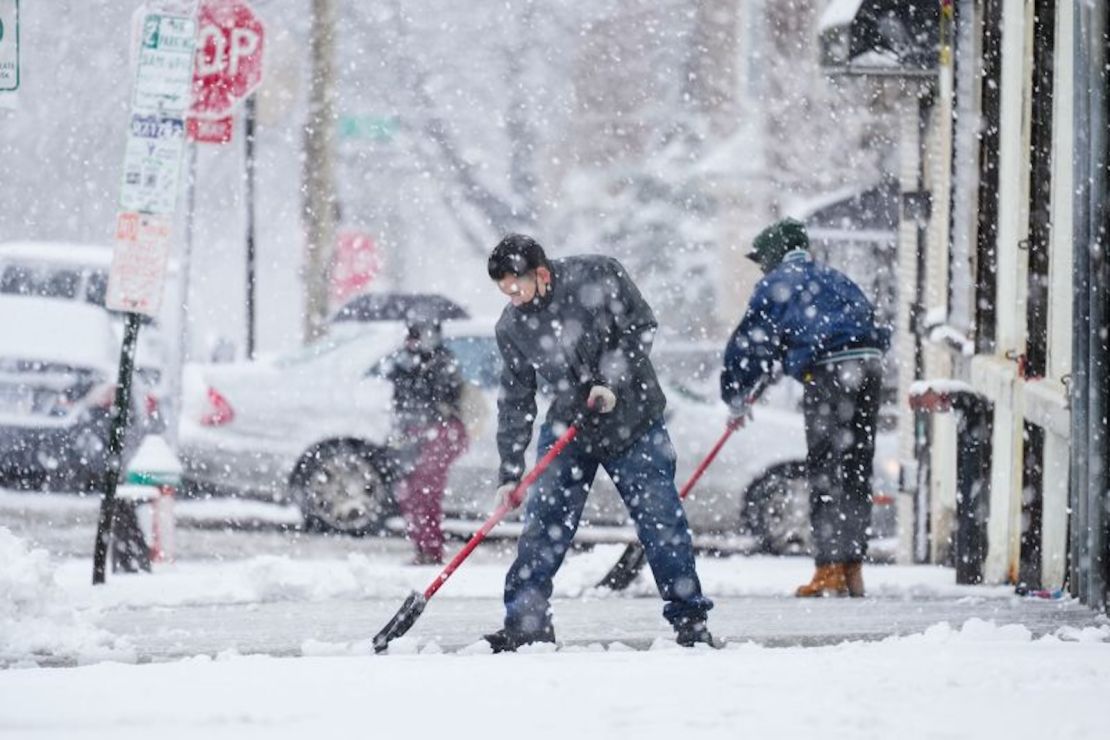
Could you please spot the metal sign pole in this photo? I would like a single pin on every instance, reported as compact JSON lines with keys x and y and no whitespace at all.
{"x":121,"y":418}
{"x":249,"y":120}
{"x":176,"y":370}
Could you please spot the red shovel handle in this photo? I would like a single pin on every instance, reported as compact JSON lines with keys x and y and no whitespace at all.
{"x":731,"y":427}
{"x":700,"y":470}
{"x":500,"y":512}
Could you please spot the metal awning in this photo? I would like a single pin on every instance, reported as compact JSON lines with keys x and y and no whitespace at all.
{"x":880,"y":37}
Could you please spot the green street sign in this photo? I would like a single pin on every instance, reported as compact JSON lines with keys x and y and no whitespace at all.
{"x":9,"y":45}
{"x":376,"y":128}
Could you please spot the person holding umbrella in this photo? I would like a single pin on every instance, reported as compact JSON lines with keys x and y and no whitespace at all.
{"x":427,"y":393}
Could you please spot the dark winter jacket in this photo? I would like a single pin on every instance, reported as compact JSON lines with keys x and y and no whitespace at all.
{"x":427,"y":387}
{"x":803,"y":313}
{"x":591,"y":328}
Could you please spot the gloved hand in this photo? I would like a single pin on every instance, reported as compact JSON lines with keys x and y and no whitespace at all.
{"x":739,"y":413}
{"x":505,"y":495}
{"x":601,"y":400}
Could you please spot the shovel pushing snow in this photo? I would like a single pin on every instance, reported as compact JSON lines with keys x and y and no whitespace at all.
{"x":414,"y":605}
{"x":631,"y":561}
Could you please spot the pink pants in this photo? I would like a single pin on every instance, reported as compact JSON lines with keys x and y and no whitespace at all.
{"x":420,"y":494}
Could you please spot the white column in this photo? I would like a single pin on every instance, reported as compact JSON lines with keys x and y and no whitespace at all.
{"x":1054,"y":524}
{"x":942,"y":486}
{"x":997,"y":376}
{"x":1054,"y":520}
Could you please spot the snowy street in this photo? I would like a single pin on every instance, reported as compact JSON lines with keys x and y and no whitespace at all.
{"x":988,"y":682}
{"x":346,"y":348}
{"x":229,"y":617}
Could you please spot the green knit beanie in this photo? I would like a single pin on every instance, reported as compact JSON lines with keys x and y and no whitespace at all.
{"x":776,"y":240}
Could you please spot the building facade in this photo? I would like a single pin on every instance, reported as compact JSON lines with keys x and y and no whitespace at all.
{"x":1001,"y":261}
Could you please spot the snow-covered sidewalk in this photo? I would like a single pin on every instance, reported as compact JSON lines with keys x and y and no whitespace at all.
{"x":277,"y":645}
{"x":978,"y":681}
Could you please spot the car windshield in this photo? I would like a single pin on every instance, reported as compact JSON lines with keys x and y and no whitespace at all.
{"x":43,"y":281}
{"x":479,"y":360}
{"x":316,"y":350}
{"x":96,"y":290}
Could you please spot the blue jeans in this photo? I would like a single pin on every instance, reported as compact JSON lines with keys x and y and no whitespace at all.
{"x":644,"y":477}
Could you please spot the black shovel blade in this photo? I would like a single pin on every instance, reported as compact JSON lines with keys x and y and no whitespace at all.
{"x":402,"y":621}
{"x":624,"y":572}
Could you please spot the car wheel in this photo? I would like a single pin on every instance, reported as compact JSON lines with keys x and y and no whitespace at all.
{"x":344,"y":486}
{"x":776,"y":511}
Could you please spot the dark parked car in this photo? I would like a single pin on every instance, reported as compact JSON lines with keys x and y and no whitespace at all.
{"x":79,"y":272}
{"x":58,"y":366}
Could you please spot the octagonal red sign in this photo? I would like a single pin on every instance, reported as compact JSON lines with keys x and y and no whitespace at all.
{"x":230,"y":41}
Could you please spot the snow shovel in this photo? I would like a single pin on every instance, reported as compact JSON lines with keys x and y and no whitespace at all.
{"x":414,"y":605}
{"x":631,"y":561}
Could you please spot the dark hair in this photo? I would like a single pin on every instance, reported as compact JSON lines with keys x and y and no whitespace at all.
{"x":516,"y":254}
{"x":417,"y":327}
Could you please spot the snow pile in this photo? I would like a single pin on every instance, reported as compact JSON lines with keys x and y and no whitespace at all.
{"x":274,"y":578}
{"x":1100,"y":633}
{"x":973,"y":630}
{"x":953,"y":337}
{"x":943,"y":386}
{"x":768,"y":576}
{"x":35,"y":624}
{"x":981,"y":680}
{"x":261,"y":579}
{"x":281,"y":578}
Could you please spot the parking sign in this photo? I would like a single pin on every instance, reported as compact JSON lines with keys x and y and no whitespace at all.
{"x":138,"y":274}
{"x":9,"y":45}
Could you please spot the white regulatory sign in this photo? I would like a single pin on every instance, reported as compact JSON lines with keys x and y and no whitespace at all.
{"x":138,"y":273}
{"x":9,"y":45}
{"x":164,"y":76}
{"x":152,"y":163}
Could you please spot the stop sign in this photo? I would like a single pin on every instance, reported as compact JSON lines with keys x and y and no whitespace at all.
{"x":229,"y":56}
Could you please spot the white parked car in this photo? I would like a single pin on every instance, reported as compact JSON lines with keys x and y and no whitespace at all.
{"x":58,"y":368}
{"x":79,"y":272}
{"x":312,"y":428}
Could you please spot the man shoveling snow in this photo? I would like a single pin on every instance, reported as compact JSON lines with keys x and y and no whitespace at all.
{"x":582,"y":326}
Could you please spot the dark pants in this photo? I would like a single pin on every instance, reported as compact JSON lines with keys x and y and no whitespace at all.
{"x":419,"y":494}
{"x":644,"y":477}
{"x":841,"y":404}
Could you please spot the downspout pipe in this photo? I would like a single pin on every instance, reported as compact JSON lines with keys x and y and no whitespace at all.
{"x":921,"y":212}
{"x":1092,"y":356}
{"x":1079,"y":388}
{"x":1099,"y":368}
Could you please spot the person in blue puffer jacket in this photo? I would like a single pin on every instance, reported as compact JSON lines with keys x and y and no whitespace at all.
{"x":821,"y":328}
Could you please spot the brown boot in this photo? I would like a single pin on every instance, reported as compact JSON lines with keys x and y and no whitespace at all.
{"x":828,"y":580}
{"x":853,"y":575}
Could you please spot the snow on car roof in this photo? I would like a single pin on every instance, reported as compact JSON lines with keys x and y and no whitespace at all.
{"x":60,"y":331}
{"x":838,"y":13}
{"x":477,"y":326}
{"x":374,"y":338}
{"x":93,"y":255}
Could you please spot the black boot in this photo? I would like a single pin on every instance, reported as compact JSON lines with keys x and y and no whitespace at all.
{"x":507,"y":641}
{"x":691,"y":632}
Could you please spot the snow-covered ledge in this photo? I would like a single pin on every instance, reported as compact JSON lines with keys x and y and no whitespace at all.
{"x":994,"y":377}
{"x":1046,"y":405}
{"x":938,"y":395}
